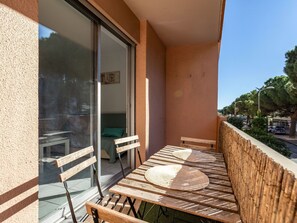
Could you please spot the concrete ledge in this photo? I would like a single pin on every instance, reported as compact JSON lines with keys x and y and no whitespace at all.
{"x":277,"y":157}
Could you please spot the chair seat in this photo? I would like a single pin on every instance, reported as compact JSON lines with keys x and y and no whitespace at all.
{"x":118,"y":203}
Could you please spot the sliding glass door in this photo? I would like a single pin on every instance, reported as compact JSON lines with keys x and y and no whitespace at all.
{"x":114,"y":100}
{"x":67,"y":110}
{"x":85,"y":97}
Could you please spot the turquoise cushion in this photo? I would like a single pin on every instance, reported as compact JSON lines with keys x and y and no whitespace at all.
{"x":113,"y":132}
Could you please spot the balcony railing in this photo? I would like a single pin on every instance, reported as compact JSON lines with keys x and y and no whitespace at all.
{"x":264,"y":181}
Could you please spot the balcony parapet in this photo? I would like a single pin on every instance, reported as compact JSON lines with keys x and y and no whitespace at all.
{"x":264,"y":181}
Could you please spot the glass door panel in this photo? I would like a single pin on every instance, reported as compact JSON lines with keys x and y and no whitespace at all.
{"x":66,"y":98}
{"x":114,"y":101}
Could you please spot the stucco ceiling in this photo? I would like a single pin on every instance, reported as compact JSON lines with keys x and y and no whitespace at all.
{"x":181,"y":22}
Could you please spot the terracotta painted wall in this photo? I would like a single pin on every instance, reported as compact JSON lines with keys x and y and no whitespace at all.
{"x":191,"y":92}
{"x":141,"y":90}
{"x":19,"y":111}
{"x":156,"y":62}
{"x":120,"y":15}
{"x":150,"y":90}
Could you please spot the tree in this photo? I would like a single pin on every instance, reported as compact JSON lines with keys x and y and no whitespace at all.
{"x":65,"y":72}
{"x":247,"y":104}
{"x":283,"y":99}
{"x":226,"y":110}
{"x":291,"y":65}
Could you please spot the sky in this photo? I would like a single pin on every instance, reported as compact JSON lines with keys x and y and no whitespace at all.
{"x":256,"y":36}
{"x":43,"y":31}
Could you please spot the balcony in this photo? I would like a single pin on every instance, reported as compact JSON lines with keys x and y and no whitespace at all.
{"x":263,"y":181}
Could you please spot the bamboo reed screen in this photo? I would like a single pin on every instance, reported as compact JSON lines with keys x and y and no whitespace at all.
{"x":265,"y":189}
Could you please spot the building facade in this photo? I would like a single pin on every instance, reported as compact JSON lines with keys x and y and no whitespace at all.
{"x":71,"y":70}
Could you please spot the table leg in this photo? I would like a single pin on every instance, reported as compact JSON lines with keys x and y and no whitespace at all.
{"x":40,"y":158}
{"x":48,"y":151}
{"x":132,"y":207}
{"x":67,"y":150}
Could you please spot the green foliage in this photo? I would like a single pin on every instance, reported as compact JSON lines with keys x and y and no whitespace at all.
{"x":226,"y":110}
{"x":236,"y":121}
{"x":282,"y":98}
{"x":260,"y":123}
{"x":246,"y":104}
{"x":269,"y":140}
{"x":291,"y":65}
{"x":61,"y":56}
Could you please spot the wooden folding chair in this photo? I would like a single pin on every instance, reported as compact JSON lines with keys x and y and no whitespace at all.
{"x":110,"y":201}
{"x":195,"y":143}
{"x":130,"y":143}
{"x":100,"y":214}
{"x":126,"y":144}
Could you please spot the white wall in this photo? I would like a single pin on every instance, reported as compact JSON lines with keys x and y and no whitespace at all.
{"x":113,"y":96}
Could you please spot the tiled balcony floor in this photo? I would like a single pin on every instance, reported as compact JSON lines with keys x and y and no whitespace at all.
{"x":52,"y":195}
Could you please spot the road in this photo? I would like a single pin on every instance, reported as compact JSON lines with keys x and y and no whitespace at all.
{"x":291,"y":144}
{"x":293,"y":149}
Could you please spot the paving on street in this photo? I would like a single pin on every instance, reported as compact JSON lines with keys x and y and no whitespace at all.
{"x":291,"y":144}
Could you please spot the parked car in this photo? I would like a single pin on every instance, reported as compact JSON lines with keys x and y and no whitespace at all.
{"x":271,"y":129}
{"x":279,"y":130}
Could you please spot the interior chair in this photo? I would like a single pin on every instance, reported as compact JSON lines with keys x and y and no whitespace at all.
{"x":110,"y":201}
{"x":195,"y":143}
{"x":100,"y":214}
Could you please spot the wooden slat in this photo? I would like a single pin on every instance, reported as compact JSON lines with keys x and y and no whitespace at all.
{"x":178,"y":204}
{"x":196,"y":140}
{"x":128,"y":147}
{"x":217,"y":170}
{"x":74,"y":156}
{"x":111,"y":215}
{"x":203,"y":169}
{"x":217,"y":163}
{"x":126,"y":139}
{"x":185,"y":196}
{"x":74,"y":170}
{"x":212,"y":177}
{"x":196,"y":147}
{"x":121,"y":203}
{"x":211,"y":186}
{"x":212,"y":152}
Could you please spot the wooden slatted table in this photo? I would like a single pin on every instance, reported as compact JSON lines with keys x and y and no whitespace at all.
{"x":216,"y":201}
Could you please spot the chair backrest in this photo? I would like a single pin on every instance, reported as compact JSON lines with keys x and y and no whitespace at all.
{"x":126,"y":144}
{"x":65,"y":175}
{"x":195,"y":143}
{"x":99,"y":212}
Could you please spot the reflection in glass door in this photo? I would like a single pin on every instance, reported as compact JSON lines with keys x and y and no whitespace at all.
{"x":71,"y":97}
{"x":114,"y":103}
{"x":66,"y":98}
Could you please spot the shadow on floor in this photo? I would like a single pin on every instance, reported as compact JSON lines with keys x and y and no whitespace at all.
{"x":173,"y":216}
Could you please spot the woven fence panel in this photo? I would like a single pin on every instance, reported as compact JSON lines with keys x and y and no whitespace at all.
{"x":265,"y":190}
